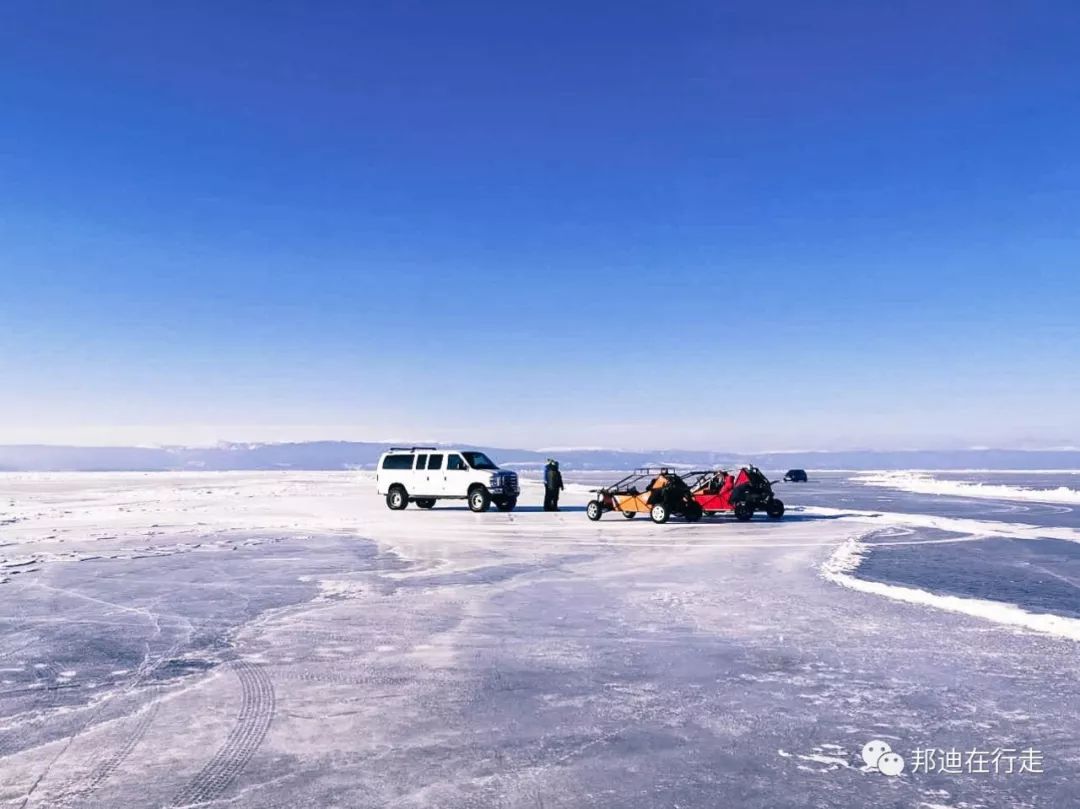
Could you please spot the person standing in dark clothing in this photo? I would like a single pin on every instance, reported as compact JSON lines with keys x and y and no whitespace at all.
{"x":552,"y":485}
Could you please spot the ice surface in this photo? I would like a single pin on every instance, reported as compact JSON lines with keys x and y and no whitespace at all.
{"x":283,"y":640}
{"x":841,"y":566}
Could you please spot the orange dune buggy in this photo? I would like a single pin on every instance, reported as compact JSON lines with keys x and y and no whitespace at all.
{"x":660,"y":493}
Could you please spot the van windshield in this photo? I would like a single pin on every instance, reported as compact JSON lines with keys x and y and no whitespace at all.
{"x":478,"y":460}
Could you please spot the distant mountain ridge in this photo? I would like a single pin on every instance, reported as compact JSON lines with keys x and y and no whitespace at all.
{"x":338,"y":455}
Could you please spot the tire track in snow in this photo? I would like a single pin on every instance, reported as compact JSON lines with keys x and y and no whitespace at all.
{"x":107,"y":761}
{"x":334,"y":678}
{"x":257,"y":707}
{"x":110,"y":762}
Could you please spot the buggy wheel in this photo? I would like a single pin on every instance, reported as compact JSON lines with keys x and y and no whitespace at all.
{"x":693,"y":512}
{"x":775,"y":509}
{"x":594,"y":510}
{"x":659,"y":513}
{"x":629,"y":514}
{"x":397,"y":498}
{"x":479,"y":500}
{"x":425,"y":502}
{"x":743,"y":511}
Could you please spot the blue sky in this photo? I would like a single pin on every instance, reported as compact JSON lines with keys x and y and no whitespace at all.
{"x":726,"y":225}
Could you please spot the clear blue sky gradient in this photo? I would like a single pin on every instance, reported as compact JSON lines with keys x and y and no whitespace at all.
{"x":725,"y":225}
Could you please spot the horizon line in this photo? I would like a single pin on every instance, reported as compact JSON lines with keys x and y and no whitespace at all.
{"x":222,"y":444}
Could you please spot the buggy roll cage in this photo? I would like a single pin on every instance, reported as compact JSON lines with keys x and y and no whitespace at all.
{"x":638,"y":474}
{"x":698,"y":476}
{"x":693,"y":478}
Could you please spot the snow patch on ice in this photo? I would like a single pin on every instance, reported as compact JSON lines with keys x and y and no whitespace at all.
{"x":833,"y":762}
{"x":822,"y":755}
{"x":925,"y":483}
{"x":845,"y":560}
{"x":337,"y":588}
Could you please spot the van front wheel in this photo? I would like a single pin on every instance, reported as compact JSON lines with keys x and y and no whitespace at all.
{"x":479,"y":500}
{"x":397,"y":498}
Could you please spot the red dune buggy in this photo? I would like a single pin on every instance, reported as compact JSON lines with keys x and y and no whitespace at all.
{"x":660,"y":493}
{"x":743,"y":493}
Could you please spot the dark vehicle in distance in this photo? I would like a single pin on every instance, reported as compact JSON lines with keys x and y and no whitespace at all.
{"x":795,"y":476}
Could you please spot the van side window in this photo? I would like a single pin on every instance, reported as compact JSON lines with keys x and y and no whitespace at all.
{"x":455,"y":462}
{"x":397,"y":462}
{"x":434,"y":462}
{"x":421,"y":461}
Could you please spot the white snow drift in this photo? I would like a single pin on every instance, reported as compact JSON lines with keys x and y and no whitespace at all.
{"x":926,"y":483}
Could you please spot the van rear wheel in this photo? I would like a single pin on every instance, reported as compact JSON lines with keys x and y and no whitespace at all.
{"x":479,"y":500}
{"x":397,"y":499}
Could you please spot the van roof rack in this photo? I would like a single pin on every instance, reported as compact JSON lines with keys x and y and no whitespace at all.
{"x":409,"y":449}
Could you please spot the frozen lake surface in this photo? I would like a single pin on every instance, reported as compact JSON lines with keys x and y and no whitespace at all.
{"x":283,"y":640}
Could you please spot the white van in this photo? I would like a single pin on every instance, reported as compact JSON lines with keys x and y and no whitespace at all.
{"x":423,"y":475}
